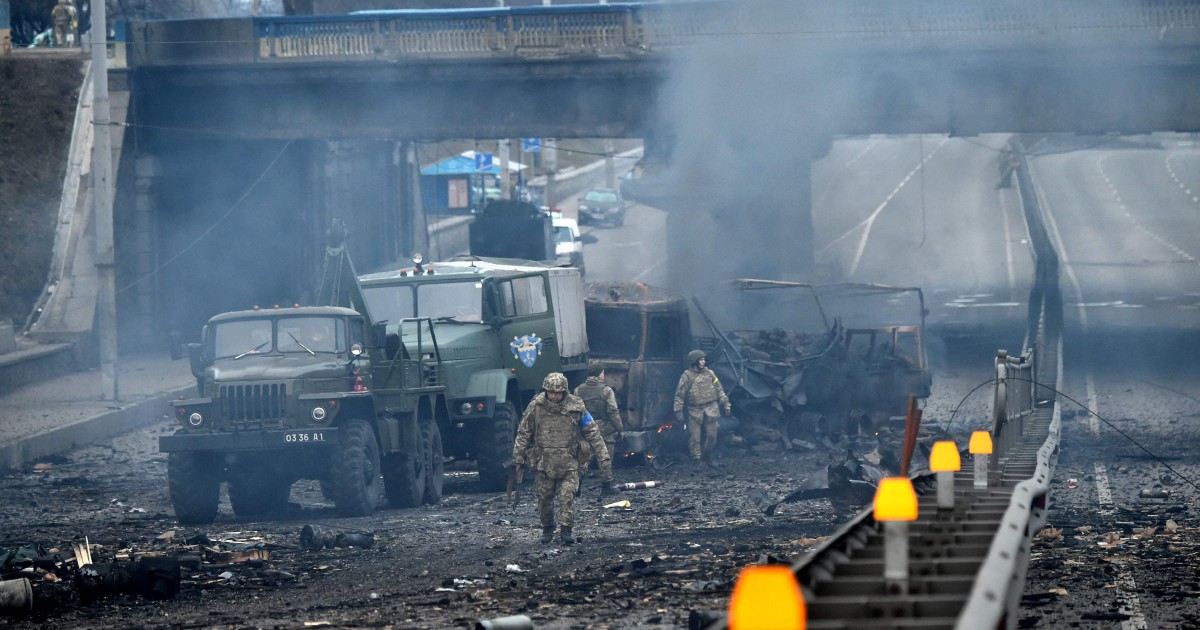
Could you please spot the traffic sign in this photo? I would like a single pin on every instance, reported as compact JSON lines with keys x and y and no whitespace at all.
{"x":531,"y":145}
{"x":483,"y":162}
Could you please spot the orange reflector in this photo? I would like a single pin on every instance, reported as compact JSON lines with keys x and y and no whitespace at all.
{"x":766,"y":597}
{"x":981,"y":443}
{"x":945,"y":457}
{"x":895,"y":500}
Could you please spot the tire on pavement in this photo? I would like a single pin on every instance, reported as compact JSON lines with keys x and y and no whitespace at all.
{"x":194,"y":482}
{"x":431,"y":440}
{"x":495,"y":448}
{"x":354,"y":475}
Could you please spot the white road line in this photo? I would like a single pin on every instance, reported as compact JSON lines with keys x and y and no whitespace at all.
{"x":1132,"y":605}
{"x":1064,"y":261}
{"x":1093,"y":404}
{"x":652,"y":267}
{"x":1103,"y":491}
{"x":865,"y":224}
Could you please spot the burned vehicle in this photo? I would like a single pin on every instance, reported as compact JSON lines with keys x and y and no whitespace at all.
{"x":817,"y":360}
{"x":309,"y":392}
{"x":640,"y":335}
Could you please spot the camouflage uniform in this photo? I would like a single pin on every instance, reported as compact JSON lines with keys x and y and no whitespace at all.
{"x":701,"y":392}
{"x":63,"y":15}
{"x":601,"y":402}
{"x":548,"y":441}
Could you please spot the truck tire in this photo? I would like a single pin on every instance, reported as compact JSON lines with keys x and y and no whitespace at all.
{"x":254,"y":491}
{"x":355,"y":471}
{"x":194,"y":481}
{"x":405,"y":474}
{"x":495,"y":448}
{"x":431,"y":439}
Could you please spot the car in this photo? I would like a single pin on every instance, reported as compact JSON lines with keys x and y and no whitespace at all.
{"x":568,"y":244}
{"x":602,"y":205}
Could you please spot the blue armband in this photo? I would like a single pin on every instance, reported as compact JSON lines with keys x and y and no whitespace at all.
{"x":586,"y":419}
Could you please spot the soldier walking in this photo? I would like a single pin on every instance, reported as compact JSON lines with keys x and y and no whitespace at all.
{"x":700,"y":392}
{"x":601,"y":402}
{"x":63,"y":15}
{"x":548,"y":440}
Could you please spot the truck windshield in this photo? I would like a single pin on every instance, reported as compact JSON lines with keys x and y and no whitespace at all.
{"x":231,"y":339}
{"x":460,"y":301}
{"x":239,"y":339}
{"x":562,"y":234}
{"x":310,"y":334}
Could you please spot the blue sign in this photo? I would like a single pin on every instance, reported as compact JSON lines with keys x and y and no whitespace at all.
{"x":526,"y":348}
{"x":483,"y":161}
{"x":531,"y":145}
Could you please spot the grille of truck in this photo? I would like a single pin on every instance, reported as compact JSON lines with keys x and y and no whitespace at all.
{"x":260,"y":404}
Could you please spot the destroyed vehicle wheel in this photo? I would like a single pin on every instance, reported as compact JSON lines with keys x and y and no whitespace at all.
{"x":194,"y":481}
{"x":254,"y":491}
{"x":494,"y":448}
{"x":354,"y":474}
{"x":431,"y":439}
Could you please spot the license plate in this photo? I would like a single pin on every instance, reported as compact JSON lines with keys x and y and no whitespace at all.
{"x":304,"y":437}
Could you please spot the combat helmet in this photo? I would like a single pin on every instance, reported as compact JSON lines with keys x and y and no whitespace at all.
{"x":555,"y":382}
{"x":694,"y":356}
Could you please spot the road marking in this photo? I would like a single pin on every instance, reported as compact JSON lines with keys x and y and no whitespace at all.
{"x":647,"y":270}
{"x":1103,"y":491}
{"x":1093,"y":405}
{"x":865,"y":224}
{"x":1132,"y":605}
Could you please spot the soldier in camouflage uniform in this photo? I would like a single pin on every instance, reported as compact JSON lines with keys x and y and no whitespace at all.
{"x":700,"y":391}
{"x":601,"y":402}
{"x":548,"y":440}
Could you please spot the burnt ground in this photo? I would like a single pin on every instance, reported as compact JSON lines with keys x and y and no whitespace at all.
{"x":676,"y":549}
{"x":37,"y":109}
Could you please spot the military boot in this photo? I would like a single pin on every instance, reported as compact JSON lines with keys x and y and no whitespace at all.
{"x":566,"y":537}
{"x":547,"y":534}
{"x":606,"y":488}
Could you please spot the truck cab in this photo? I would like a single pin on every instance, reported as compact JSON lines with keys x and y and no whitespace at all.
{"x":501,"y":326}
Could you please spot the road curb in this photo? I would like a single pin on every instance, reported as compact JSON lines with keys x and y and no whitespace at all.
{"x":24,"y":451}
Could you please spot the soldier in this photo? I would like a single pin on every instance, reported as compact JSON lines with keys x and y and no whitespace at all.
{"x":63,"y":15}
{"x":601,"y":402}
{"x":700,"y":391}
{"x":548,"y":440}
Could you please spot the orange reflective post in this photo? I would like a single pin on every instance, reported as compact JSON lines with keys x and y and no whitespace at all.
{"x":767,"y":597}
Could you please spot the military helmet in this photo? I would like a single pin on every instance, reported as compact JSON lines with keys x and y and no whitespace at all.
{"x":694,"y":356}
{"x":555,"y":382}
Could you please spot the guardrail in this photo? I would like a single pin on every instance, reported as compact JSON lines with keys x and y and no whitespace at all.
{"x":632,"y":30}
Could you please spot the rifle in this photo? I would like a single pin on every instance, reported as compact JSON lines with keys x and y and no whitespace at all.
{"x":516,"y":479}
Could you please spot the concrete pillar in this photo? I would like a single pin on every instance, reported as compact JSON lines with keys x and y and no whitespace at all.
{"x":142,"y":245}
{"x":414,"y":230}
{"x":505,"y":175}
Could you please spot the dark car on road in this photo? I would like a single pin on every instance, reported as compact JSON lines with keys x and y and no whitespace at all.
{"x":602,"y":205}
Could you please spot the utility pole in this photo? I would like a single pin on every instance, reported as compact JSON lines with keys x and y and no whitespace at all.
{"x":106,"y":303}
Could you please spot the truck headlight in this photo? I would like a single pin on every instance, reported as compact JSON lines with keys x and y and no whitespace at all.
{"x":319,"y":414}
{"x":195,"y":420}
{"x":466,"y":408}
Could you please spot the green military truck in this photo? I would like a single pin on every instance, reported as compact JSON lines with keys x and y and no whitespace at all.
{"x":314,"y":392}
{"x":501,"y":326}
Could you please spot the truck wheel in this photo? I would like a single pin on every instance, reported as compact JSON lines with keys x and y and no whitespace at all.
{"x":355,"y":472}
{"x":405,"y":474}
{"x":431,"y":439}
{"x":254,"y":492}
{"x":194,"y":481}
{"x":495,"y":448}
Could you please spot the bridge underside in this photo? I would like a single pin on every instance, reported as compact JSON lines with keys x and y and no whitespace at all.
{"x":723,"y":121}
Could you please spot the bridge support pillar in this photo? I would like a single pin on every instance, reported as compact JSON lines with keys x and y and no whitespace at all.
{"x":139,"y":245}
{"x":414,"y":228}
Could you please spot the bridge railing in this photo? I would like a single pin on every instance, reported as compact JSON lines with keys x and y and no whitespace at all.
{"x":631,"y":30}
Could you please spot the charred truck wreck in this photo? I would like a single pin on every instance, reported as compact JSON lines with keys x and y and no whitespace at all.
{"x":792,"y":370}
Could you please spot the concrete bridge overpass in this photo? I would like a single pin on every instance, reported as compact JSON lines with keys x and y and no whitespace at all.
{"x":267,"y":127}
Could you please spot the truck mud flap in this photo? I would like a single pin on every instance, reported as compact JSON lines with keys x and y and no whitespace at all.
{"x":249,"y":440}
